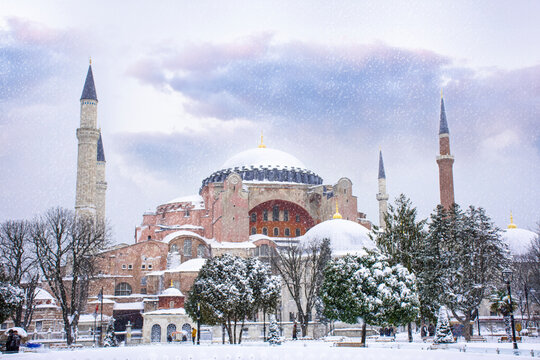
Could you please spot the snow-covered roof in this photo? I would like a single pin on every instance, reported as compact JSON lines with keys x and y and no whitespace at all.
{"x":518,"y":240}
{"x":177,"y":311}
{"x":41,"y":294}
{"x":232,"y":245}
{"x":346,"y":237}
{"x":175,"y":234}
{"x":193,"y":265}
{"x":182,"y":227}
{"x":129,"y":306}
{"x":89,"y":318}
{"x":47,"y":306}
{"x":263,"y":157}
{"x":171,"y":292}
{"x":105,"y":301}
{"x":195,"y":200}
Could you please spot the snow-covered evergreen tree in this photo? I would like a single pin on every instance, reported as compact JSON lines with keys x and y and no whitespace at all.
{"x":110,"y":337}
{"x":10,"y":298}
{"x":229,"y":289}
{"x":443,"y":333}
{"x":368,"y":287}
{"x":472,"y":255}
{"x":273,"y":332}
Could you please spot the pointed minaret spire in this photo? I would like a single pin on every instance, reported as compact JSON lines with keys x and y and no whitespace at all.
{"x":382,"y":196}
{"x":445,"y":161}
{"x":382,"y":175}
{"x":89,"y":89}
{"x":100,"y":151}
{"x":443,"y":126}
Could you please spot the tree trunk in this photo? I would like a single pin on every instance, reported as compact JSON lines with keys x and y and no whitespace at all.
{"x":467,"y":326}
{"x":409,"y":332}
{"x":364,"y":333}
{"x":241,"y":332}
{"x":234,"y":332}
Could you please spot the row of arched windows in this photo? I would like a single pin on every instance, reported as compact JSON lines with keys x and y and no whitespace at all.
{"x":275,"y":231}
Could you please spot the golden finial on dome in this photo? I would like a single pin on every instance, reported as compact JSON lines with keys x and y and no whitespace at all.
{"x":172,"y":284}
{"x":262,"y":146}
{"x":512,"y":225}
{"x":441,"y":94}
{"x":337,"y":215}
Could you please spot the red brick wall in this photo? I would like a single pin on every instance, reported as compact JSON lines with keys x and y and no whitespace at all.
{"x":305,"y":223}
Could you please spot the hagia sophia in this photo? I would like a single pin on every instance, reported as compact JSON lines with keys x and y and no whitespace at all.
{"x":256,"y":201}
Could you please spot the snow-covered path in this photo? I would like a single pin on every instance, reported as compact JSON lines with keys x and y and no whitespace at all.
{"x":289,"y":351}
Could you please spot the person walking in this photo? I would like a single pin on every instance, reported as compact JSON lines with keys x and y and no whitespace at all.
{"x":13,"y":342}
{"x":193,"y":335}
{"x":294,"y":330}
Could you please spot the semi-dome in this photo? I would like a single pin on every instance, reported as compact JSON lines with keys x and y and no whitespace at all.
{"x":346,"y":237}
{"x":518,"y":240}
{"x":265,"y":165}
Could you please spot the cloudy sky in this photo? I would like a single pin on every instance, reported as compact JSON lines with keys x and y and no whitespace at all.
{"x":184,"y":85}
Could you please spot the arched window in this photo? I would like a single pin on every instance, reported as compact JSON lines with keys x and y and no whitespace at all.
{"x":297,"y":232}
{"x":201,"y":251}
{"x":253,"y":217}
{"x":174,"y":248}
{"x":297,"y":218}
{"x":122,"y":289}
{"x":285,"y":215}
{"x":276,"y":231}
{"x":170,"y":329}
{"x":253,"y":230}
{"x":187,"y":247}
{"x":265,"y":215}
{"x":264,"y":250}
{"x":275,"y":213}
{"x":156,"y":333}
{"x":287,"y":232}
{"x":265,"y":231}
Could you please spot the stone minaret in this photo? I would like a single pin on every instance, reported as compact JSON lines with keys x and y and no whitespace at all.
{"x":445,"y":161}
{"x":88,"y":135}
{"x":382,"y":196}
{"x":101,"y":184}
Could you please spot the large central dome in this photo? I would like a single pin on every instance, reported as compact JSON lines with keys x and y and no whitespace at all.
{"x":264,"y":157}
{"x":265,"y":165}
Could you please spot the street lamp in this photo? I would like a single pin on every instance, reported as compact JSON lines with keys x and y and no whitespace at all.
{"x":198,"y":323}
{"x":507,"y":277}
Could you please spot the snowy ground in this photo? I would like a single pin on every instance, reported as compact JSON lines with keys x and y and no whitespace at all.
{"x":297,"y":350}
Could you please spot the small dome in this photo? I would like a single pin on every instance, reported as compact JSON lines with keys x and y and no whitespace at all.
{"x":346,"y":237}
{"x":518,"y":240}
{"x":265,"y":157}
{"x":171,"y":292}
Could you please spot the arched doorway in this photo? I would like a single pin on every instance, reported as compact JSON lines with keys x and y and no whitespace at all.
{"x":187,"y":329}
{"x":155,"y":335}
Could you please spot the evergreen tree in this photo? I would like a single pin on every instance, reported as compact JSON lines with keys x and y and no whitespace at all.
{"x":110,"y":337}
{"x":273,"y":332}
{"x":471,"y":256}
{"x":229,"y":289}
{"x":402,"y":239}
{"x":443,"y":333}
{"x":11,"y":297}
{"x":368,"y":287}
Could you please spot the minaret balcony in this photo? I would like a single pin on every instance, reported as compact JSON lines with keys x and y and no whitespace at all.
{"x":445,"y":157}
{"x":381,"y":197}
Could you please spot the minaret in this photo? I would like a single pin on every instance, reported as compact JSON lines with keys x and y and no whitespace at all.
{"x":88,"y":135}
{"x":382,"y":196}
{"x":101,"y":184}
{"x":445,"y":161}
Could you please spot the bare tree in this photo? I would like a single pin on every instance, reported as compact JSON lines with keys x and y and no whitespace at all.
{"x":301,"y":267}
{"x":66,"y":246}
{"x":18,"y":262}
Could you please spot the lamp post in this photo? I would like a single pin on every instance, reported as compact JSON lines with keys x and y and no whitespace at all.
{"x":198,"y":323}
{"x":507,"y":277}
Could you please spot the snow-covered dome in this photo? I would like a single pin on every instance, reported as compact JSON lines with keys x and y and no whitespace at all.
{"x":264,"y":157}
{"x":265,"y":165}
{"x":518,"y":240}
{"x":171,"y":292}
{"x":346,"y":237}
